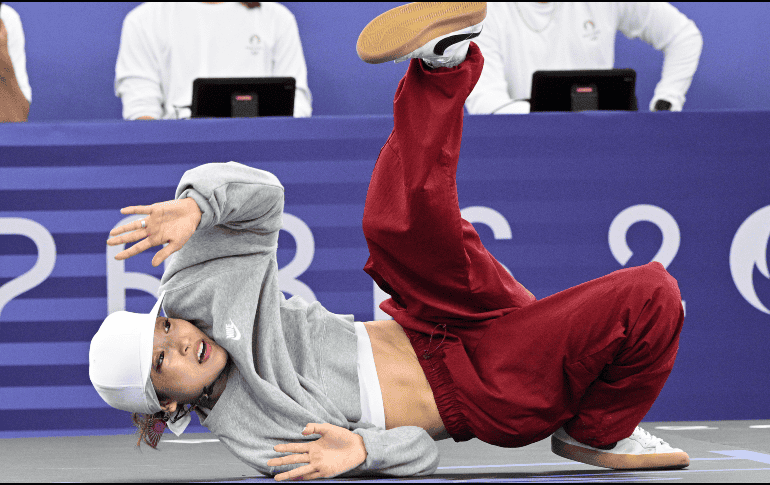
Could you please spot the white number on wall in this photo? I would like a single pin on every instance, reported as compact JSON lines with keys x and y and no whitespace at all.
{"x":287,"y":276}
{"x":619,"y":227}
{"x":644,"y":213}
{"x":46,"y":257}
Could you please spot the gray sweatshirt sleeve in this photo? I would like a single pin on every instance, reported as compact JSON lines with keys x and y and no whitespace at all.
{"x":234,"y":195}
{"x":404,"y":451}
{"x":241,"y":209}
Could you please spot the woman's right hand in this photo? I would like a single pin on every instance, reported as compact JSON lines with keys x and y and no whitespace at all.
{"x":335,"y":452}
{"x":171,"y":222}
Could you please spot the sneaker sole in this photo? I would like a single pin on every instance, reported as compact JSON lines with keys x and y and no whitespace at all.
{"x":659,"y":461}
{"x":404,"y":29}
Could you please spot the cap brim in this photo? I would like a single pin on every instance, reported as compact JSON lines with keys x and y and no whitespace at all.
{"x":148,"y":338}
{"x":156,"y":309}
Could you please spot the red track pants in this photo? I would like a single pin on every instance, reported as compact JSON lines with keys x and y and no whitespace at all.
{"x":504,"y":367}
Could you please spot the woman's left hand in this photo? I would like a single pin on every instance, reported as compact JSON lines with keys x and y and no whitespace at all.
{"x":171,"y":222}
{"x":337,"y":451}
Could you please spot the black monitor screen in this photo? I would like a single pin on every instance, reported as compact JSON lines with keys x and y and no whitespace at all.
{"x":243,"y":97}
{"x":607,"y":89}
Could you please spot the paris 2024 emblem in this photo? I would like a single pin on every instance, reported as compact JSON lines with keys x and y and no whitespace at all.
{"x":749,"y":249}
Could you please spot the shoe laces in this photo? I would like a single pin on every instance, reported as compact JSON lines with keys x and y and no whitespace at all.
{"x":649,"y":439}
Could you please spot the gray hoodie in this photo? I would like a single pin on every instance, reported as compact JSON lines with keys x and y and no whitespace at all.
{"x":295,"y":363}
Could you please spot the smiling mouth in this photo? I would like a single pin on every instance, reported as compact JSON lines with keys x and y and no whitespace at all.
{"x":204,"y":352}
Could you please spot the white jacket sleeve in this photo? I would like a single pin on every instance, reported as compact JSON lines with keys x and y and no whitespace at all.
{"x":491,"y":92}
{"x":289,"y":61}
{"x":137,"y":71}
{"x":668,"y":30}
{"x":16,"y":50}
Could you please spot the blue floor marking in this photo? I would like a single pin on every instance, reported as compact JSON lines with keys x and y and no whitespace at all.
{"x":573,"y":463}
{"x":517,"y":464}
{"x":746,"y":455}
{"x":577,"y":476}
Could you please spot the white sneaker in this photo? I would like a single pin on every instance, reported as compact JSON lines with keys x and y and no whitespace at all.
{"x":640,"y":450}
{"x":446,"y":51}
{"x":438,"y":33}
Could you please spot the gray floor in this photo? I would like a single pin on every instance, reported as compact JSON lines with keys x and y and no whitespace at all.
{"x":720,"y":451}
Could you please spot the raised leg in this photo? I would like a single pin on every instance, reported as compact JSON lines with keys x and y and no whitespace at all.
{"x":422,"y":252}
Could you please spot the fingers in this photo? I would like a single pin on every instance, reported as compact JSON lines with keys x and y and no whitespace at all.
{"x":315,"y":428}
{"x":164,"y":253}
{"x":307,"y":472}
{"x":289,"y":459}
{"x":134,"y":250}
{"x":127,"y":238}
{"x":131,"y":226}
{"x":136,"y":233}
{"x":292,"y":448}
{"x":136,"y":209}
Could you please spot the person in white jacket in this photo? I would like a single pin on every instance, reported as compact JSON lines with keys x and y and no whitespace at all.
{"x":521,"y":38}
{"x":165,"y":46}
{"x":15,"y":92}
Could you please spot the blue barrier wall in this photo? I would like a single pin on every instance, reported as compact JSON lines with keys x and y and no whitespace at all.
{"x":556,"y":197}
{"x":72,"y":48}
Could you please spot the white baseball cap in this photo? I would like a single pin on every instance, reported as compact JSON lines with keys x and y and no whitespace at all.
{"x":120,"y":360}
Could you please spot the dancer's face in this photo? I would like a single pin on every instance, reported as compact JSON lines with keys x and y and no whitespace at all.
{"x":179,"y":370}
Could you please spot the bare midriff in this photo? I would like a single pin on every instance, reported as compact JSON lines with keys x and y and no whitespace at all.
{"x":406,"y":394}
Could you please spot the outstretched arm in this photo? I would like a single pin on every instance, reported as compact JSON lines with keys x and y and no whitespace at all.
{"x":244,"y":202}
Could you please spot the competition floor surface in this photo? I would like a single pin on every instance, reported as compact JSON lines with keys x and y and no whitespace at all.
{"x":720,"y":451}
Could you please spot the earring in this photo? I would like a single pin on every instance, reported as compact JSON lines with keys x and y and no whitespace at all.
{"x":155,"y":429}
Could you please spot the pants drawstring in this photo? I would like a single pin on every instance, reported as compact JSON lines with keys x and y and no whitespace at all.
{"x":428,"y":353}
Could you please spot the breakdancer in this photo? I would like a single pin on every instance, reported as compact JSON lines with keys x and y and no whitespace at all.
{"x":469,"y":352}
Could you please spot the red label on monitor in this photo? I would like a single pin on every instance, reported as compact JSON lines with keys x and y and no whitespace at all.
{"x":243,"y":97}
{"x":585,"y":90}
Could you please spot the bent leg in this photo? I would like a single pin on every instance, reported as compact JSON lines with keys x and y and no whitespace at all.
{"x":422,"y":252}
{"x":592,"y":358}
{"x":627,"y":386}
